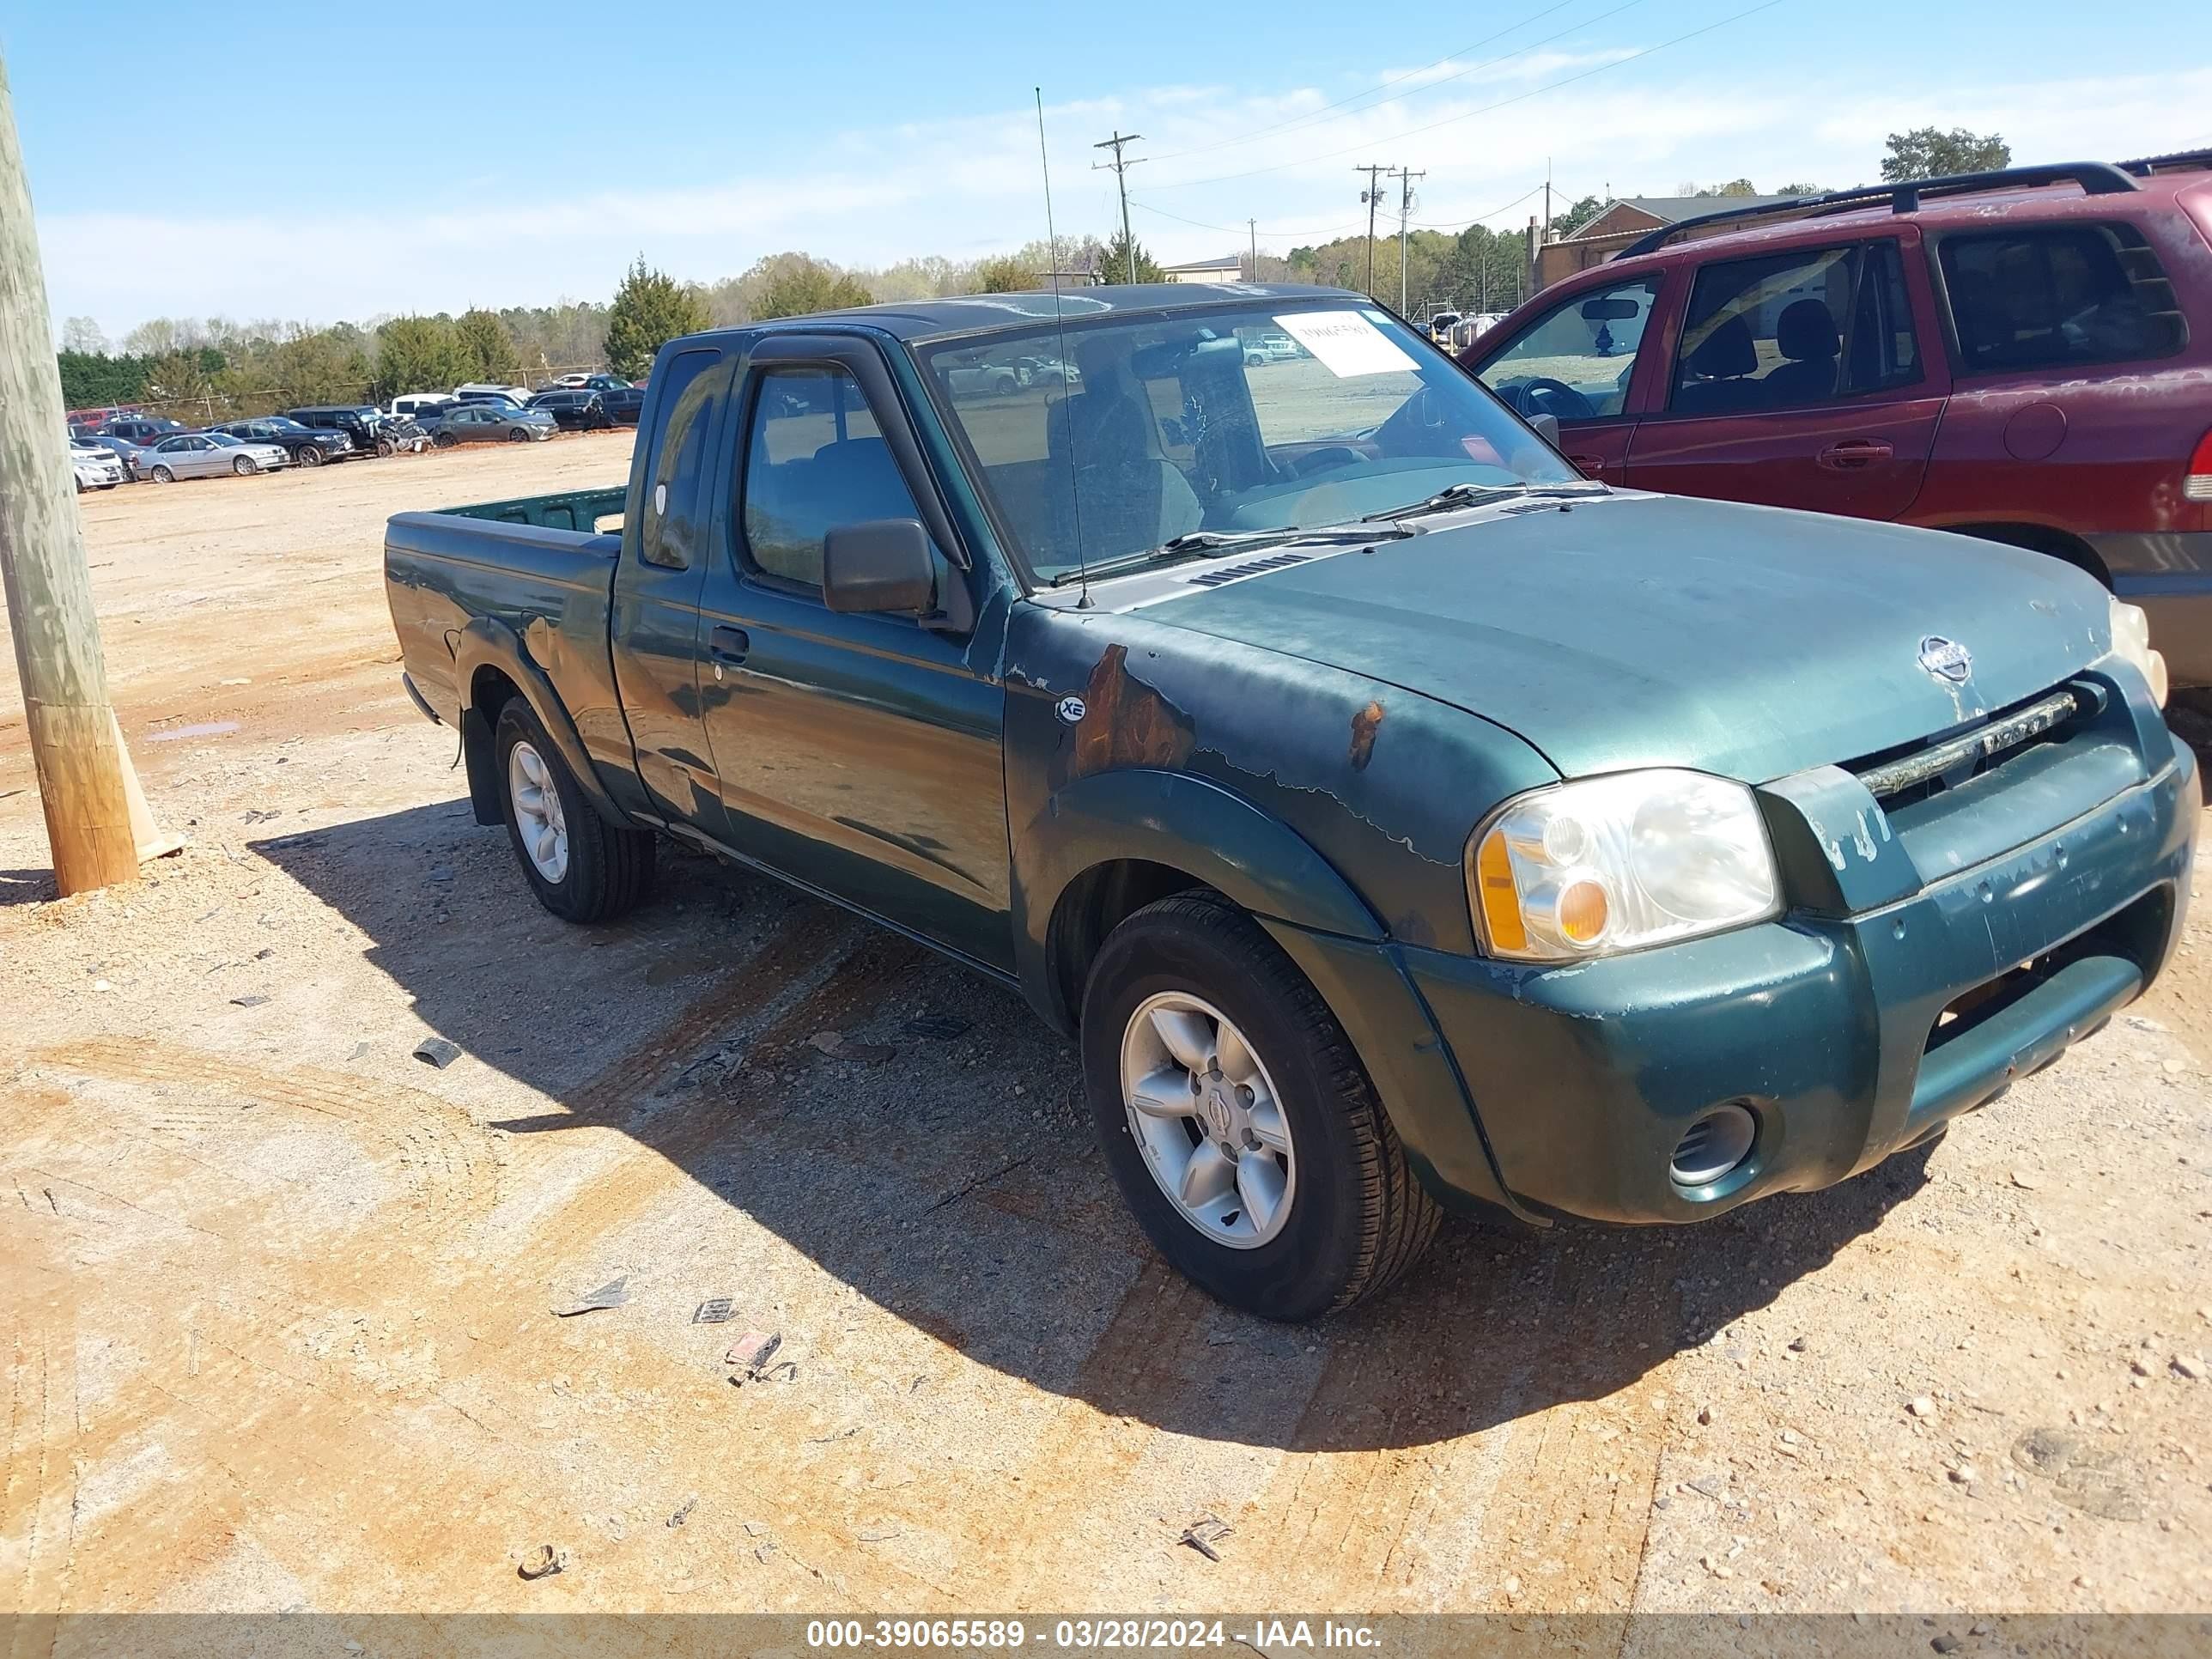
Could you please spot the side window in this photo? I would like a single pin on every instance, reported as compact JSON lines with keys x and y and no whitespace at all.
{"x":1766,"y":333}
{"x":668,"y":535}
{"x":2049,"y":295}
{"x":1574,"y":362}
{"x":815,"y":459}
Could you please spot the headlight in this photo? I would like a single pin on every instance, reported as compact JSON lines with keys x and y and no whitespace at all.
{"x":2131,"y":643}
{"x":1615,"y":864}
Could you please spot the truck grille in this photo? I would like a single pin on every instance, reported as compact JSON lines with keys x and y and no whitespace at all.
{"x":1948,"y":762}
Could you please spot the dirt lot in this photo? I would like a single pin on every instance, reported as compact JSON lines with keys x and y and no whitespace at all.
{"x":275,"y":1296}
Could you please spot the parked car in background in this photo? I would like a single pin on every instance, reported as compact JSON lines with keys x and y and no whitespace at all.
{"x":357,"y":421}
{"x":416,"y":405}
{"x":606,"y":383}
{"x":405,"y":435}
{"x":123,"y":449}
{"x":562,"y":382}
{"x":2022,"y":355}
{"x":307,"y":446}
{"x":479,"y":391}
{"x":493,"y":399}
{"x":573,"y":411}
{"x":95,"y":466}
{"x":622,"y":405}
{"x":208,"y":454}
{"x":140,"y":429}
{"x":1441,"y":325}
{"x":1269,"y":348}
{"x":486,"y":423}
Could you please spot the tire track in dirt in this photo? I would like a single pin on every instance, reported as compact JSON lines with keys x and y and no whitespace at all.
{"x":1572,"y":1507}
{"x":1385,"y":1465}
{"x":438,"y":1150}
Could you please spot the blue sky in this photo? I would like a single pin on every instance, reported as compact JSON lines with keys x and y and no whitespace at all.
{"x":350,"y":163}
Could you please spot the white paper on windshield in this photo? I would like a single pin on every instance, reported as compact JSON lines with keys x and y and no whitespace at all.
{"x":1346,"y":342}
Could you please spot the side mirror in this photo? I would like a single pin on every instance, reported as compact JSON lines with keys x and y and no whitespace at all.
{"x":1545,"y":427}
{"x":883,"y":565}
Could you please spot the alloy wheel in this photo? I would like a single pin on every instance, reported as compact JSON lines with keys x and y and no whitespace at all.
{"x":1203,"y":1109}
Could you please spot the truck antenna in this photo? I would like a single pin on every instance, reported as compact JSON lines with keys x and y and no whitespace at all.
{"x":1060,"y":322}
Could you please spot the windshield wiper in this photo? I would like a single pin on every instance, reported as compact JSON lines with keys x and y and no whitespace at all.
{"x":1475,"y":495}
{"x":1193,"y":544}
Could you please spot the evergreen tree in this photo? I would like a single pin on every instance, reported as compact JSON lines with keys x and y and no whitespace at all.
{"x":649,"y":310}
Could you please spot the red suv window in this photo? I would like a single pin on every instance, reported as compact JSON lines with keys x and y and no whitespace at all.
{"x":2048,"y":295}
{"x":1789,"y":329}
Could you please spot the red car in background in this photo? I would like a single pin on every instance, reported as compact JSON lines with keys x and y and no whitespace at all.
{"x":2024,"y":356}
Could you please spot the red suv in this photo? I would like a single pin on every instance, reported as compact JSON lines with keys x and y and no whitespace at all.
{"x":2024,"y":356}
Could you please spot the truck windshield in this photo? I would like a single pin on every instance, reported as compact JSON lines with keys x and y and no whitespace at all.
{"x":1283,"y":416}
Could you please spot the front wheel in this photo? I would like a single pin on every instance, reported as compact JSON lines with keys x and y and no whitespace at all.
{"x":162,"y":475}
{"x":519,"y":435}
{"x":309,"y":455}
{"x":385,"y":447}
{"x":581,"y":867}
{"x":1238,"y":1121}
{"x":245,"y":466}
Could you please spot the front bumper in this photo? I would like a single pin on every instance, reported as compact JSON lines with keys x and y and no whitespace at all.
{"x":1575,"y":1084}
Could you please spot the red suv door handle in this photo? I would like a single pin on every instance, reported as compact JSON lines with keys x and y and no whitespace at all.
{"x":1589,"y":466}
{"x":1855,"y":452}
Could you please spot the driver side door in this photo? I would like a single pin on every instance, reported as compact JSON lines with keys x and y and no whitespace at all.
{"x":1579,"y":361}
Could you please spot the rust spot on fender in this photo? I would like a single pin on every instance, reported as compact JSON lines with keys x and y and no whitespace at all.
{"x":1125,"y":722}
{"x":1365,"y":725}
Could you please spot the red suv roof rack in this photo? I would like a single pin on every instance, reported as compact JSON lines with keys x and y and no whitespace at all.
{"x":2095,"y":178}
{"x":2181,"y":160}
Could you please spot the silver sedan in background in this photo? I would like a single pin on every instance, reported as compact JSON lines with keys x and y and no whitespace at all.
{"x":482,"y":423}
{"x":205,"y":454}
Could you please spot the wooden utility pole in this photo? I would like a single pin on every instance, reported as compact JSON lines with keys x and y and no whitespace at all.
{"x":1371,"y":196}
{"x":74,"y":742}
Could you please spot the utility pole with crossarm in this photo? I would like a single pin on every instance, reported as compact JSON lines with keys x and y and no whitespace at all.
{"x":1121,"y":178}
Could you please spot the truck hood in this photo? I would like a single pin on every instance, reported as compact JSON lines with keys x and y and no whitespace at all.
{"x":1654,"y":630}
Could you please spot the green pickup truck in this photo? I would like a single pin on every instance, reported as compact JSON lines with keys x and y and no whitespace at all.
{"x":1400,"y":821}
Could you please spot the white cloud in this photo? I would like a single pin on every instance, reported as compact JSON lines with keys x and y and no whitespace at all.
{"x":968,"y":186}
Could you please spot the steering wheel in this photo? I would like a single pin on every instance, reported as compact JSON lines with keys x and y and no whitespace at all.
{"x":1558,"y":398}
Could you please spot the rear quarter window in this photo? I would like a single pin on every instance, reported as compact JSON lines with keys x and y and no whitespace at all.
{"x":2058,"y":295}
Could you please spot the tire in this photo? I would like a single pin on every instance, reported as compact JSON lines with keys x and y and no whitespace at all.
{"x":1253,"y":360}
{"x":520,"y":434}
{"x":162,"y":475}
{"x":603,"y":872}
{"x":1005,"y":385}
{"x":385,"y":447}
{"x":245,"y":466}
{"x":1351,"y":1218}
{"x":445,"y":441}
{"x":309,"y":455}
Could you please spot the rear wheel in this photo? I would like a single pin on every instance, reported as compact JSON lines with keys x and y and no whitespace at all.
{"x":244,"y":466}
{"x":1237,"y":1120}
{"x":581,"y":867}
{"x":445,"y":441}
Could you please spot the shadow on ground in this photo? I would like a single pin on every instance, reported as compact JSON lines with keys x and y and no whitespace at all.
{"x":947,"y":1172}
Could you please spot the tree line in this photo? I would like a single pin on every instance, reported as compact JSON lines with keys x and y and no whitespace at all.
{"x":219,"y":368}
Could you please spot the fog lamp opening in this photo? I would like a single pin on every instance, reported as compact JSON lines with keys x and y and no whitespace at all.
{"x":1714,"y":1146}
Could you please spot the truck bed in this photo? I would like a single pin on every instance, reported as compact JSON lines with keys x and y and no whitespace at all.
{"x":517,"y":567}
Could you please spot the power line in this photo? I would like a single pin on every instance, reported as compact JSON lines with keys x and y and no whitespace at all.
{"x":1486,"y":109}
{"x":1202,"y":224}
{"x":1310,"y":117}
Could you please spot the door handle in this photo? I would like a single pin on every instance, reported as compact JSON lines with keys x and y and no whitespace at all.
{"x":1852,"y":453}
{"x":727,"y":644}
{"x":1589,"y":466}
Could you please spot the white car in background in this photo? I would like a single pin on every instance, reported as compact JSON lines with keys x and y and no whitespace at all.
{"x":95,"y":466}
{"x":415,"y":405}
{"x":208,"y":454}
